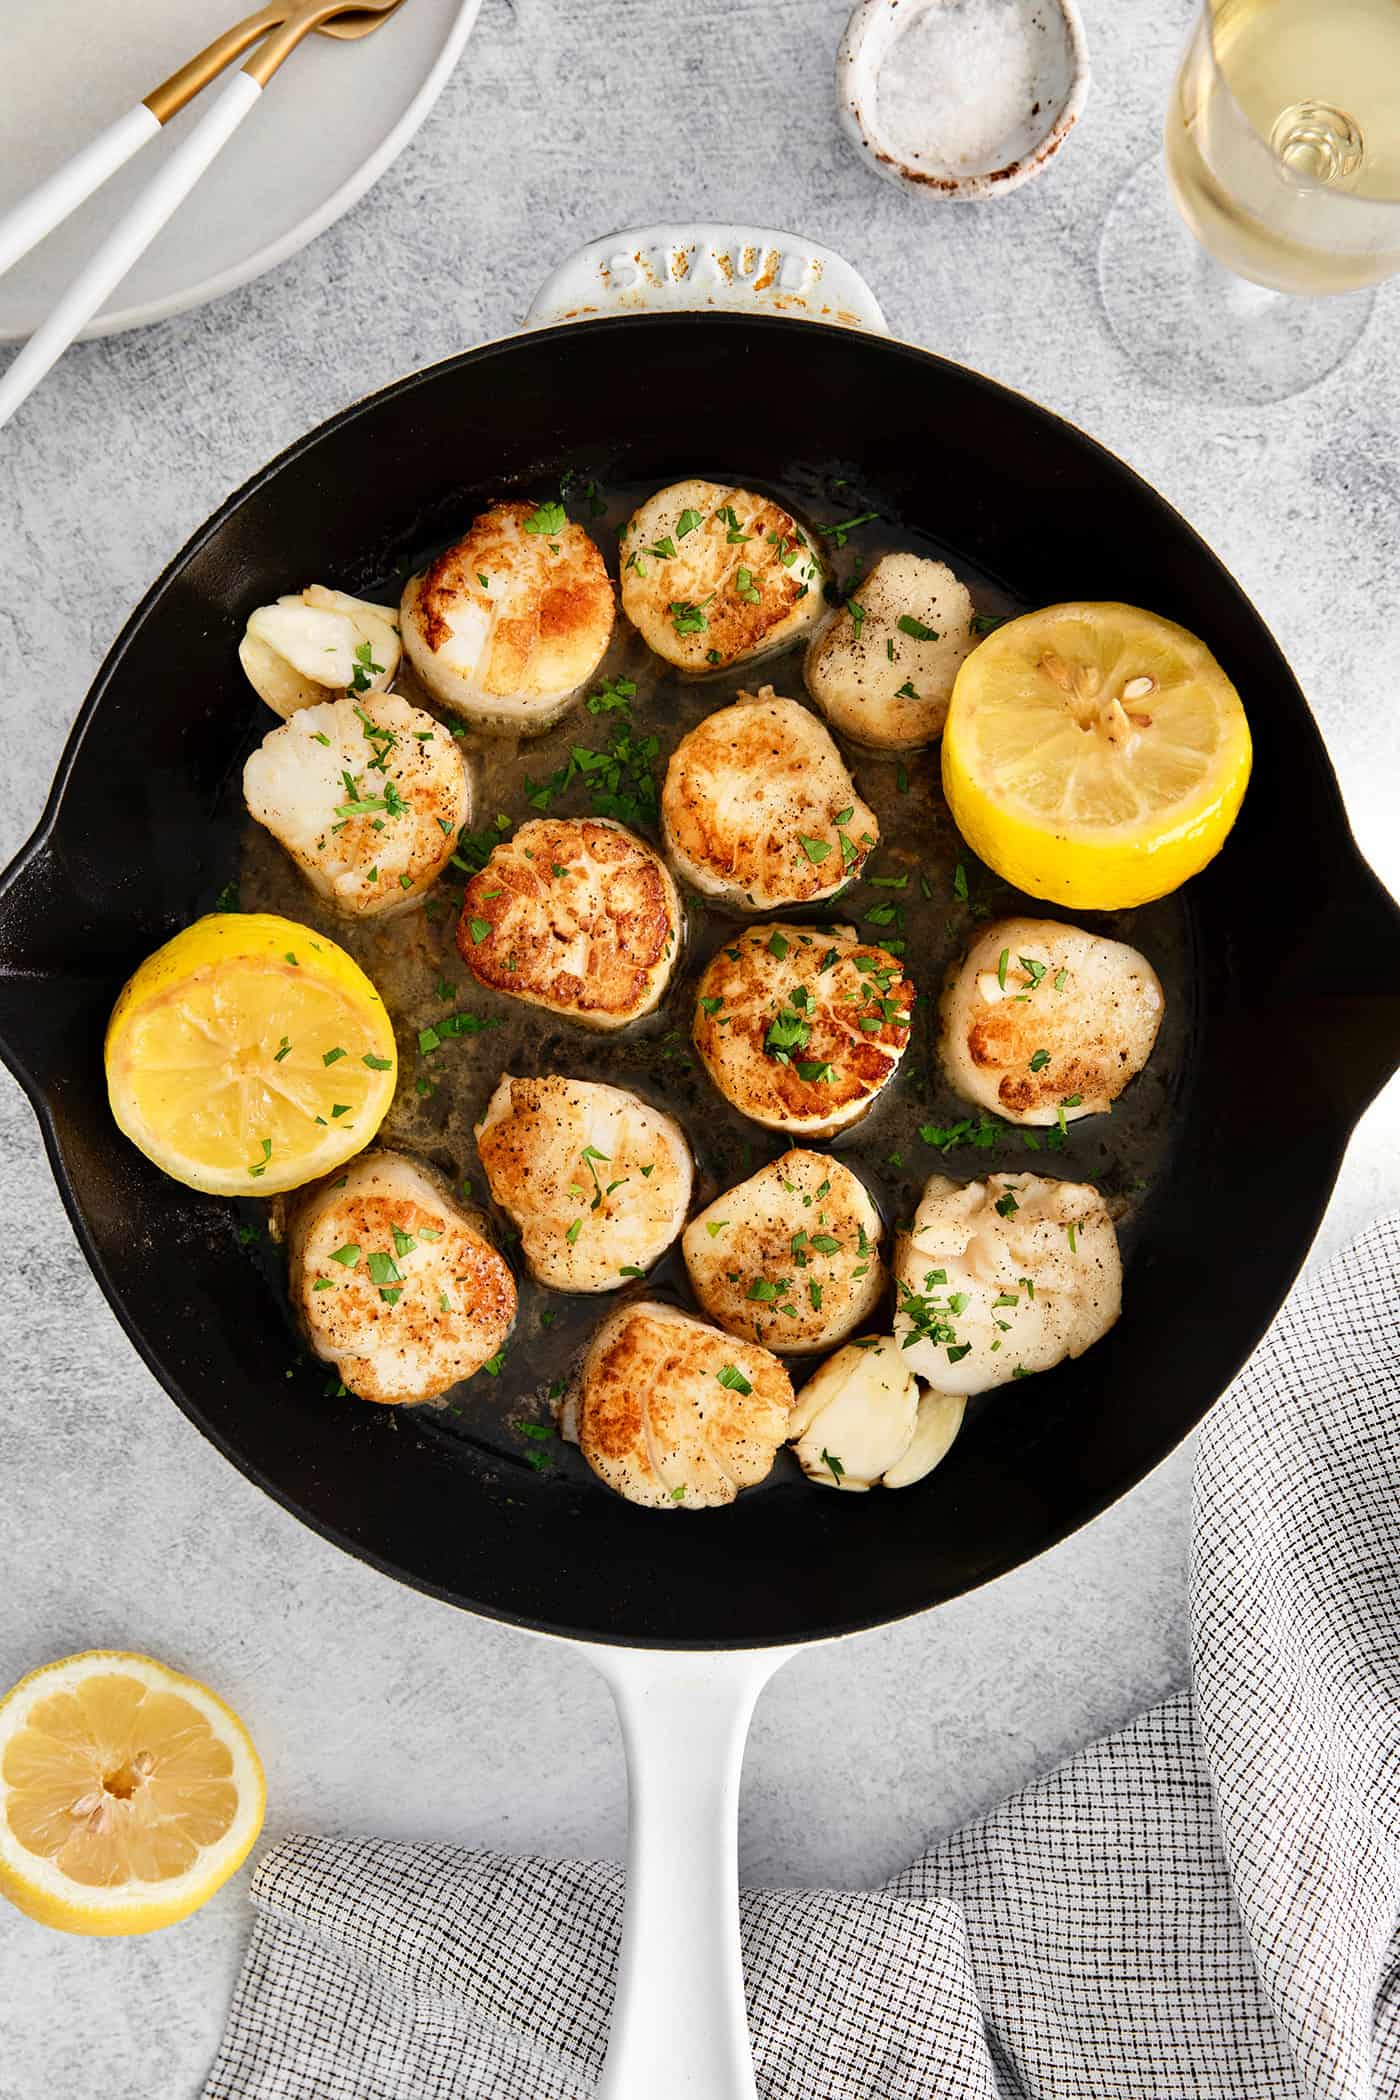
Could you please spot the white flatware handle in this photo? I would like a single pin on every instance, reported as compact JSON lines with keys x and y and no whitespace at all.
{"x":129,"y":238}
{"x":61,"y":193}
{"x":703,"y":263}
{"x":679,"y":2028}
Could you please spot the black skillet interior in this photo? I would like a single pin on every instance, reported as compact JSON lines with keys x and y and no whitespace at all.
{"x":1294,"y":971}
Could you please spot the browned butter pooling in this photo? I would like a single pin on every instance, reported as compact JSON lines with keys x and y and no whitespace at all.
{"x":910,"y":891}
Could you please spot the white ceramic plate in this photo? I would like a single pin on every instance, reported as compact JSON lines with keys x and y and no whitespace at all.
{"x":328,"y":126}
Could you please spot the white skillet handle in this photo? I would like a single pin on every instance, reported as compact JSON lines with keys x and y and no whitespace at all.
{"x":679,"y":2028}
{"x":129,"y":238}
{"x":748,"y":268}
{"x":60,"y":194}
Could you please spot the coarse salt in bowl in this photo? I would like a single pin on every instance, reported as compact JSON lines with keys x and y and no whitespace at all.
{"x":961,"y":99}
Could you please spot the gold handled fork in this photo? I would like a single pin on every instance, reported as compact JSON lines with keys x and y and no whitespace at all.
{"x":275,"y":31}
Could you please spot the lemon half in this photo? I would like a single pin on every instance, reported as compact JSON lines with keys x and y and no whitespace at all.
{"x":250,"y":1055}
{"x":1095,"y":754}
{"x":128,"y":1794}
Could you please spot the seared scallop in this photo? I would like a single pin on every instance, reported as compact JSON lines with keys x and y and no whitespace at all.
{"x":801,"y":1027}
{"x":508,"y":624}
{"x":317,"y":644}
{"x":597,"y":1181}
{"x":394,"y":1283}
{"x":759,"y":810}
{"x":860,"y":1422}
{"x":791,"y":1257}
{"x":1044,"y":1020}
{"x":367,"y":795}
{"x":1003,"y":1277}
{"x":881,"y":667}
{"x":575,"y":914}
{"x":675,"y":1415}
{"x":714,"y":576}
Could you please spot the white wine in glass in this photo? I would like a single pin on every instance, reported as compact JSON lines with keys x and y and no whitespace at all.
{"x":1283,"y":159}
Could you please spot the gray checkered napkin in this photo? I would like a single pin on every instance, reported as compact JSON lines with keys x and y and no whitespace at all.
{"x":1201,"y":1908}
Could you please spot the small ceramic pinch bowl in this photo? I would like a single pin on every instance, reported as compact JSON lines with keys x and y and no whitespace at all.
{"x":961,"y":100}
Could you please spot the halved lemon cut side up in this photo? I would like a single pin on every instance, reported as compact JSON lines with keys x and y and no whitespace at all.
{"x":250,"y":1055}
{"x":128,"y":1794}
{"x":1095,"y":754}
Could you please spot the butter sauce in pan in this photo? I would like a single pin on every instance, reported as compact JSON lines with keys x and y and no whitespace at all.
{"x":920,"y":887}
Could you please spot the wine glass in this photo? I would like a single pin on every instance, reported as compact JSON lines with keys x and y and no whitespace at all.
{"x":1283,"y":160}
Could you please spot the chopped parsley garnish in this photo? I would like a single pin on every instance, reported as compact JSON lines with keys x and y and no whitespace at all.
{"x":1040,"y":1060}
{"x":842,"y":529}
{"x":960,"y":883}
{"x":574,"y":1230}
{"x":833,"y":1465}
{"x":548,"y":519}
{"x":816,"y":850}
{"x":858,"y":616}
{"x":816,"y":1072}
{"x":687,"y":618}
{"x":733,"y":1379}
{"x":907,"y":624}
{"x":906,"y":691}
{"x":943,"y":1137}
{"x":788,"y":1031}
{"x":778,"y":945}
{"x":984,"y":623}
{"x":617,"y":693}
{"x":688,"y":521}
{"x":1006,"y":1206}
{"x":283,"y":1050}
{"x":376,"y":1064}
{"x":365,"y":669}
{"x":382,"y":1267}
{"x":746,"y":588}
{"x":479,"y":929}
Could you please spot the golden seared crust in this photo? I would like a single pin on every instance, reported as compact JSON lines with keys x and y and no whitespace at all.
{"x":575,"y":914}
{"x":1060,"y":1026}
{"x":743,"y":792}
{"x":424,"y":1302}
{"x":800,"y":1026}
{"x":366,"y":794}
{"x":531,"y":633}
{"x":881,"y":683}
{"x":663,"y":1418}
{"x":713,"y":576}
{"x":790,"y":1258}
{"x":597,"y":1181}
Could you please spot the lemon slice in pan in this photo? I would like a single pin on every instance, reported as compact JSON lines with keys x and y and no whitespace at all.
{"x":249,"y":1055}
{"x":1095,"y":754}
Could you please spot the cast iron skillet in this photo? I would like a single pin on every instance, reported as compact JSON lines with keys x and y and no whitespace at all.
{"x":1297,"y":977}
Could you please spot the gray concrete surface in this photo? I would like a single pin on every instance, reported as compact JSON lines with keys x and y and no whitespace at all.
{"x":375,"y":1709}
